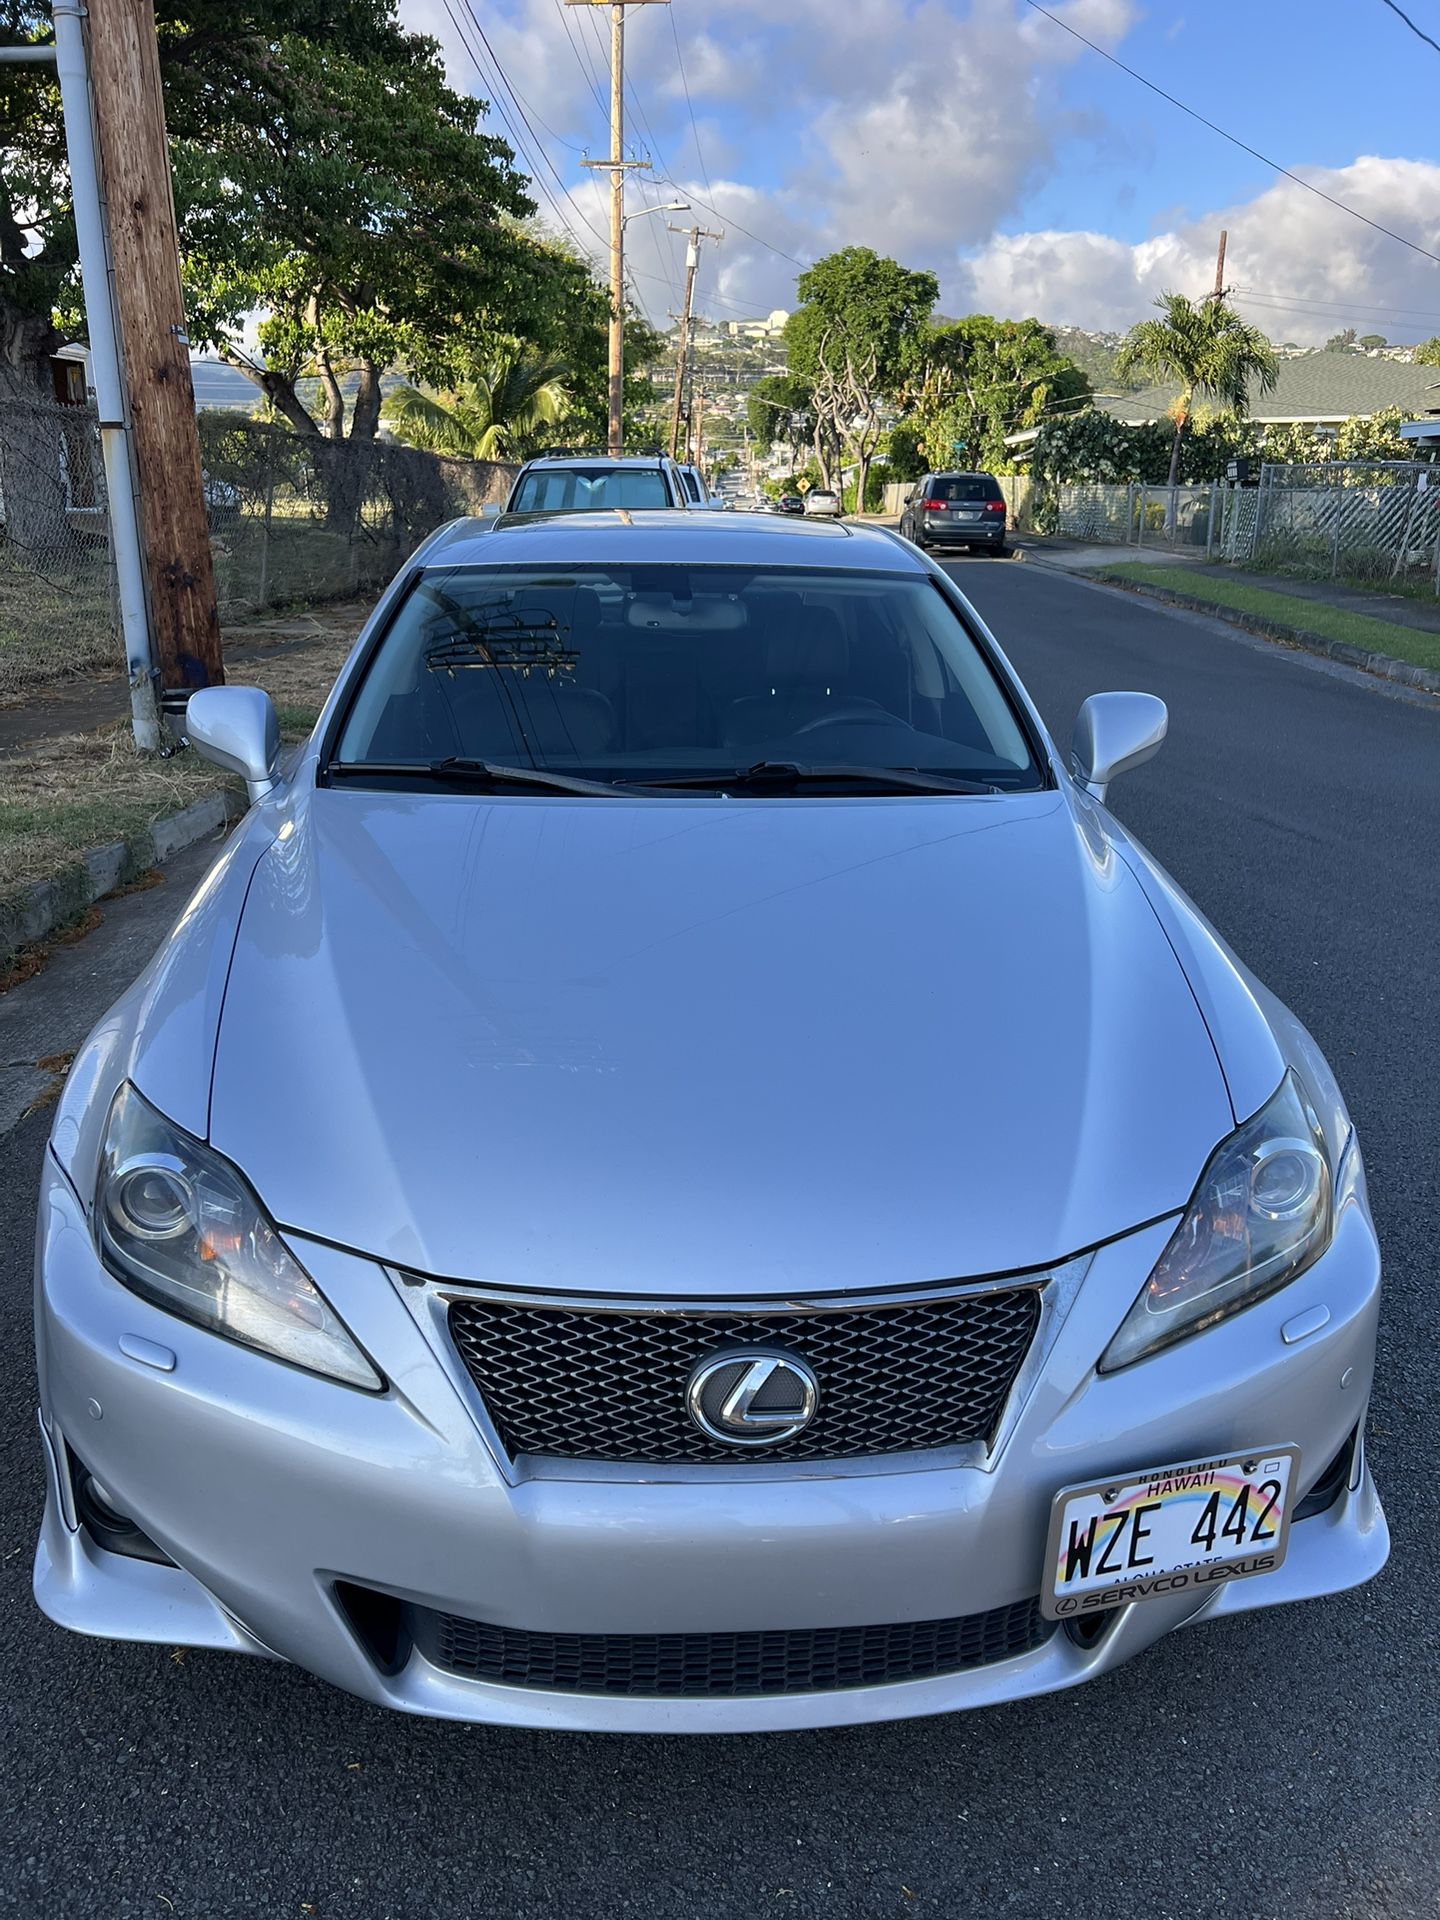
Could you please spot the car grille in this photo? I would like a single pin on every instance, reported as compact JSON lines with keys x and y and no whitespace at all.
{"x":721,"y":1666}
{"x":585,"y":1384}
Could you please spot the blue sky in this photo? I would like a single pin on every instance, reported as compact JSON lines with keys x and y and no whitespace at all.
{"x":976,"y":138}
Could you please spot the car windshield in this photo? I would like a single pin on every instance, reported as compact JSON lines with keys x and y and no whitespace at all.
{"x":964,"y":486}
{"x":642,"y":672}
{"x":581,"y":489}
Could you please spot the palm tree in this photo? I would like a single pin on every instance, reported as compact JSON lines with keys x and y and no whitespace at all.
{"x":1207,"y":348}
{"x":495,"y":413}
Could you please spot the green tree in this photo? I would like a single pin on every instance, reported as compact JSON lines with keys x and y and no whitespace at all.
{"x":1341,"y":342}
{"x":326,"y":179}
{"x":980,"y":379}
{"x":777,"y":410}
{"x":1206,"y":348}
{"x":1373,"y":340}
{"x":1374,"y":436}
{"x":855,"y":339}
{"x":496,"y":412}
{"x":1428,"y":351}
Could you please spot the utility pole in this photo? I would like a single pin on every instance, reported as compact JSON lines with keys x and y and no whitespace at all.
{"x":617,"y":166}
{"x":1219,"y":293}
{"x":69,"y":57}
{"x":154,"y":347}
{"x":698,"y":461}
{"x":694,"y":235}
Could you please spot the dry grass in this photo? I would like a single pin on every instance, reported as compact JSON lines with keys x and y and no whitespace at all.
{"x":73,"y":791}
{"x":81,"y":790}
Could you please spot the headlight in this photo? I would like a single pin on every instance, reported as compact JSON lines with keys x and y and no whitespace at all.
{"x":178,"y":1225}
{"x":1263,"y":1211}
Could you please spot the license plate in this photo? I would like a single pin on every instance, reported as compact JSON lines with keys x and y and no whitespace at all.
{"x":1168,"y":1530}
{"x":968,"y":513}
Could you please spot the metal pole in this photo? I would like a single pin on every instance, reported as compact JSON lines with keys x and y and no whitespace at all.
{"x":1210,"y":522}
{"x":616,"y":436}
{"x":72,"y":71}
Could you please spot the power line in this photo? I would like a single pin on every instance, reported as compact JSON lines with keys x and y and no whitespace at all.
{"x":1235,"y":140}
{"x":1418,"y":31}
{"x":732,"y":222}
{"x":1337,"y":306}
{"x":689,"y":104}
{"x":587,"y":72}
{"x":515,"y":135}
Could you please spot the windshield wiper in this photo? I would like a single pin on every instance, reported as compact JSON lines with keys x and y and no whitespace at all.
{"x":780,"y":776}
{"x":486,"y":773}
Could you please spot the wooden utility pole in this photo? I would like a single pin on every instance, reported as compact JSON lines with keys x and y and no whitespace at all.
{"x":618,"y":166}
{"x":699,"y":460}
{"x":134,"y":160}
{"x":1219,"y":293}
{"x":694,"y":235}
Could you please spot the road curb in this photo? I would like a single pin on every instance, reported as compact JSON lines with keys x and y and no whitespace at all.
{"x":1384,"y":667}
{"x":49,"y":906}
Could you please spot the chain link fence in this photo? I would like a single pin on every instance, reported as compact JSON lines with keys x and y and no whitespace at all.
{"x":1354,"y":519}
{"x":294,"y":519}
{"x":1366,"y":521}
{"x":1134,"y":514}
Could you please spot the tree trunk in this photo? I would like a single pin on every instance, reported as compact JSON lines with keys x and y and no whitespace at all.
{"x":334,"y":422}
{"x":862,"y":475}
{"x":365,"y":414}
{"x":1182,"y":408}
{"x":278,"y":390}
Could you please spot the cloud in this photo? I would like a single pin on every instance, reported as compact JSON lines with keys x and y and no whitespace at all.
{"x":1300,"y":268}
{"x":844,"y":111}
{"x":825,"y":124}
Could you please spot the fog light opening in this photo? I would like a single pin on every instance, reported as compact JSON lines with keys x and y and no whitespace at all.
{"x":378,"y":1622}
{"x":1331,"y":1484}
{"x":105,"y":1521}
{"x":1088,"y":1632}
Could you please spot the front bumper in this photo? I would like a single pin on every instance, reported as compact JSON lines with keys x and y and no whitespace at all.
{"x":270,"y":1489}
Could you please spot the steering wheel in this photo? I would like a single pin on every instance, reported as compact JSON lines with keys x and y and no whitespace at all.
{"x":844,"y":710}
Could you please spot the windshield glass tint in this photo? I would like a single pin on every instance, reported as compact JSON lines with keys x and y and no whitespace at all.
{"x":964,"y":486}
{"x":579,"y":489}
{"x":627,"y":671}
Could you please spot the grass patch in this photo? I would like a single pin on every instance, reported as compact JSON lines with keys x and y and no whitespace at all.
{"x":81,"y":790}
{"x":74,"y":791}
{"x":1286,"y":610}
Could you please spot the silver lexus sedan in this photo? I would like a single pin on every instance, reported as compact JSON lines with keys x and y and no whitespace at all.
{"x":682,"y":1172}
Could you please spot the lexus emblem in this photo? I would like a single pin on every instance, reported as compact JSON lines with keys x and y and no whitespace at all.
{"x":752,"y":1399}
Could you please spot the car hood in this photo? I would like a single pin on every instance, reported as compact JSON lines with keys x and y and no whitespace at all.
{"x":696,"y":1046}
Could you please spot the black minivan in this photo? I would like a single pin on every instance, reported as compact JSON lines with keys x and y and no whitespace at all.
{"x":956,"y":510}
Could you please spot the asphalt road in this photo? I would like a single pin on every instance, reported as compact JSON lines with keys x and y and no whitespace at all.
{"x":1282,"y":1766}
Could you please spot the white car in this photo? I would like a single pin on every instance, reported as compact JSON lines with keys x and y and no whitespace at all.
{"x":821,"y":504}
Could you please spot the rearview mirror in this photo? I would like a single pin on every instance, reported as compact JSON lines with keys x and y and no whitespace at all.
{"x":236,"y":728}
{"x":1113,"y":733}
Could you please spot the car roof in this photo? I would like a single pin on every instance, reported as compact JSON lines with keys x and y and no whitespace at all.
{"x":645,"y":460}
{"x":661,"y":536}
{"x":960,"y":473}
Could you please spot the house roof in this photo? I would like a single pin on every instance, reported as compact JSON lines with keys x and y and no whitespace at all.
{"x":1318,"y":387}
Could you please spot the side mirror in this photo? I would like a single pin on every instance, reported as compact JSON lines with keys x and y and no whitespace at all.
{"x":236,"y":728}
{"x":491,"y":510}
{"x":1113,"y":733}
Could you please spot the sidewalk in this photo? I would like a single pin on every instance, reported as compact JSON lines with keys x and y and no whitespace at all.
{"x":1383,"y":634}
{"x":1075,"y":556}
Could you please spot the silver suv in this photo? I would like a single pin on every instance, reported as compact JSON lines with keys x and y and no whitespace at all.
{"x":582,"y":482}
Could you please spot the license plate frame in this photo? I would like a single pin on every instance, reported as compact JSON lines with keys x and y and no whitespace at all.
{"x":1077,"y":1585}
